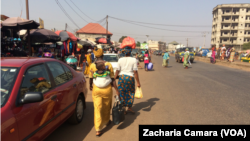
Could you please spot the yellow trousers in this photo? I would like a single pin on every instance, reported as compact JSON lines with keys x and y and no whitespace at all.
{"x":102,"y":99}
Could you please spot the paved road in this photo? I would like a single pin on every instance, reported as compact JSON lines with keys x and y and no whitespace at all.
{"x":203,"y":94}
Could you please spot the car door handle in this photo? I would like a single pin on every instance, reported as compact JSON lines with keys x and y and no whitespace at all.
{"x":53,"y":97}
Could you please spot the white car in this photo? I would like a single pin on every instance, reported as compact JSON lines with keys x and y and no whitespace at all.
{"x":113,"y":59}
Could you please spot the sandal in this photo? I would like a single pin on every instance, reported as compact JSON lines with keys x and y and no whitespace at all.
{"x":98,"y":134}
{"x":131,"y":111}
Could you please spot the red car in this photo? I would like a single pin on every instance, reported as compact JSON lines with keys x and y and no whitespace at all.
{"x":37,"y":96}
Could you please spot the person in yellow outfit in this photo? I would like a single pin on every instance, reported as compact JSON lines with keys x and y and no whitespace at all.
{"x":88,"y":62}
{"x":102,"y":97}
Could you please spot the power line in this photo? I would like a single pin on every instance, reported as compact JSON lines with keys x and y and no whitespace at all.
{"x":162,"y":24}
{"x":75,"y":11}
{"x":58,"y":3}
{"x":160,"y":28}
{"x":82,"y":12}
{"x":152,"y":35}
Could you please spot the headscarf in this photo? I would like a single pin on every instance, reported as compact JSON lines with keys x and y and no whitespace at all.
{"x":98,"y":52}
{"x":127,"y":50}
{"x":187,"y":49}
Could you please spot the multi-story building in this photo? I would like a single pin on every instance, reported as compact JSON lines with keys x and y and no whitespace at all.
{"x":231,"y":25}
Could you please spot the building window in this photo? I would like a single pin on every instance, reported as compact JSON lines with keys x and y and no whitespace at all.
{"x":227,"y":11}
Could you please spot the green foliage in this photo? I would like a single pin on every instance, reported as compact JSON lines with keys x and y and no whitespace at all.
{"x":144,"y":42}
{"x":121,"y":39}
{"x":246,"y":46}
{"x":138,"y":44}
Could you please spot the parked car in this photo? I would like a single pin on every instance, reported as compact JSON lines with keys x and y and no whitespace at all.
{"x":134,"y":51}
{"x":159,"y":53}
{"x":245,"y":59}
{"x":113,"y":59}
{"x":37,"y":96}
{"x":155,"y":52}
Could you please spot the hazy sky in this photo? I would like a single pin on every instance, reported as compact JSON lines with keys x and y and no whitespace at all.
{"x":170,"y":12}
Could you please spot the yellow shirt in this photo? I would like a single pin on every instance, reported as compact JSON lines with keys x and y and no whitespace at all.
{"x":93,"y":69}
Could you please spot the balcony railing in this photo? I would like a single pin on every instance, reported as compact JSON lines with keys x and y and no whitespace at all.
{"x":229,"y":35}
{"x":229,"y":13}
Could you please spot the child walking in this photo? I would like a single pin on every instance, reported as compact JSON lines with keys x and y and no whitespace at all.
{"x":146,"y":61}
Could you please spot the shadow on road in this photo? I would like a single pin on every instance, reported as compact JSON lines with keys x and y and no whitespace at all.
{"x":67,"y":132}
{"x":144,"y":106}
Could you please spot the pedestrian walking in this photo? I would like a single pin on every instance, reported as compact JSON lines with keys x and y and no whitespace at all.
{"x":83,"y":60}
{"x":232,"y":54}
{"x":223,"y":54}
{"x":102,"y":97}
{"x":137,"y":60}
{"x":146,"y":60}
{"x":165,"y":59}
{"x":186,"y":58}
{"x":213,"y":54}
{"x":128,"y":73}
{"x":92,"y":56}
{"x":88,"y":62}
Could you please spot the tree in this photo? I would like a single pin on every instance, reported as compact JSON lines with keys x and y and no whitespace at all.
{"x":138,"y":44}
{"x":121,"y":39}
{"x":246,"y":46}
{"x":144,"y":42}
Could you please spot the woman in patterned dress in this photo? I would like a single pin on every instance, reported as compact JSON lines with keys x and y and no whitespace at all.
{"x":128,"y":72}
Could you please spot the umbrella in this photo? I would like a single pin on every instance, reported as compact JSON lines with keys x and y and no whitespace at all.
{"x":43,"y":35}
{"x":101,"y":40}
{"x":19,"y":23}
{"x":65,"y":35}
{"x":71,"y":60}
{"x":83,"y":42}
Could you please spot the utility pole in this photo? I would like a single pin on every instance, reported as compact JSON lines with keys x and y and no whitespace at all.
{"x":28,"y":30}
{"x":27,"y":9}
{"x":204,"y":35}
{"x":147,"y":38}
{"x":66,"y":27}
{"x":107,"y":26}
{"x":187,"y":42}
